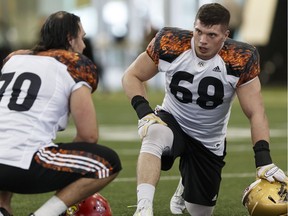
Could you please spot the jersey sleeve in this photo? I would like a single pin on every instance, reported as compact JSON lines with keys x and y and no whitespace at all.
{"x":242,"y":60}
{"x":252,"y":69}
{"x":80,"y":68}
{"x":168,"y":44}
{"x":83,"y":69}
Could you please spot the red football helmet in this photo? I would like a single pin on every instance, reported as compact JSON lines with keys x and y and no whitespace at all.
{"x":95,"y":205}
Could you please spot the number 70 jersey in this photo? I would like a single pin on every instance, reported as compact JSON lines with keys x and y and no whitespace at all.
{"x":199,"y":93}
{"x":34,"y":100}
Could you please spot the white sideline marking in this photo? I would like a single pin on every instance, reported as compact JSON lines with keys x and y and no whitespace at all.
{"x":129,"y":133}
{"x":169,"y":178}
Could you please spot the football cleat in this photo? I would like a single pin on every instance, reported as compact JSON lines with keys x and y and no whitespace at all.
{"x":95,"y":205}
{"x":177,"y":202}
{"x":145,"y":209}
{"x":263,"y":198}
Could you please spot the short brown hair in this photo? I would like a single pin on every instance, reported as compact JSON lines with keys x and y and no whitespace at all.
{"x":213,"y":14}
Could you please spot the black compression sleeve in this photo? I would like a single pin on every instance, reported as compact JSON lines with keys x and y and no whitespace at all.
{"x":141,"y":106}
{"x":262,"y":153}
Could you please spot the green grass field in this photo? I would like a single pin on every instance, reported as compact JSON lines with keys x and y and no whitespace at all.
{"x":118,"y":129}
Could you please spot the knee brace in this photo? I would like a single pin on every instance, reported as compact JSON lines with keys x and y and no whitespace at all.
{"x":199,"y":210}
{"x":158,"y":138}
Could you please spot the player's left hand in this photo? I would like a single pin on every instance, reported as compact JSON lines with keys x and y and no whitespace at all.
{"x":271,"y":173}
{"x":146,"y":121}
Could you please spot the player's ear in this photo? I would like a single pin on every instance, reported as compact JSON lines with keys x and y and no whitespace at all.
{"x":227,"y":33}
{"x":70,"y":41}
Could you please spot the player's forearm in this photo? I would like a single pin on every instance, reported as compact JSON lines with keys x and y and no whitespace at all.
{"x":87,"y":130}
{"x":260,"y":139}
{"x":259,"y":128}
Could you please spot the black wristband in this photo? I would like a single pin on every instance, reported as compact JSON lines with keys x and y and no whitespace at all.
{"x":262,"y":153}
{"x":141,"y":106}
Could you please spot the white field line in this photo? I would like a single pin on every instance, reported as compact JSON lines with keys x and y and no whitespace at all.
{"x":170,"y":178}
{"x":129,"y":133}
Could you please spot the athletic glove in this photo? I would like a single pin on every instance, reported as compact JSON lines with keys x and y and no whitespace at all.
{"x":271,"y":173}
{"x":146,"y":121}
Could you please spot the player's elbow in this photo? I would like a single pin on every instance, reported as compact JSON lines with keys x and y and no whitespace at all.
{"x":125,"y":79}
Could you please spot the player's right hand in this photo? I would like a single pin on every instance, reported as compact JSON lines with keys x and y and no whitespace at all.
{"x":146,"y":121}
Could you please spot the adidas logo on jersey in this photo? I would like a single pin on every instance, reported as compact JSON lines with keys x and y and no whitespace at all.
{"x":216,"y":69}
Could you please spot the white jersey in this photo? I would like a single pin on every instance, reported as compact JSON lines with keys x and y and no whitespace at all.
{"x":199,"y":93}
{"x":34,"y":100}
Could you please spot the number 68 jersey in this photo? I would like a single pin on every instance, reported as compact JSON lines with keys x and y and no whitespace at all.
{"x":199,"y":93}
{"x":34,"y":100}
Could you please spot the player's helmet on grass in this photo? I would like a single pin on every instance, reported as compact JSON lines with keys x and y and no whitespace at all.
{"x":263,"y":198}
{"x":95,"y":205}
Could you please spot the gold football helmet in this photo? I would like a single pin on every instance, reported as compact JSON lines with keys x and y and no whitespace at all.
{"x":263,"y":198}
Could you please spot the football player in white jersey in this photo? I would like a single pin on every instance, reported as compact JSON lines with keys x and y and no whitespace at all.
{"x":38,"y":91}
{"x":204,"y":69}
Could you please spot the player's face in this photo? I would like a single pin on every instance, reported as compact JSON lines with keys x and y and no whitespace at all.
{"x":208,"y":40}
{"x":77,"y":44}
